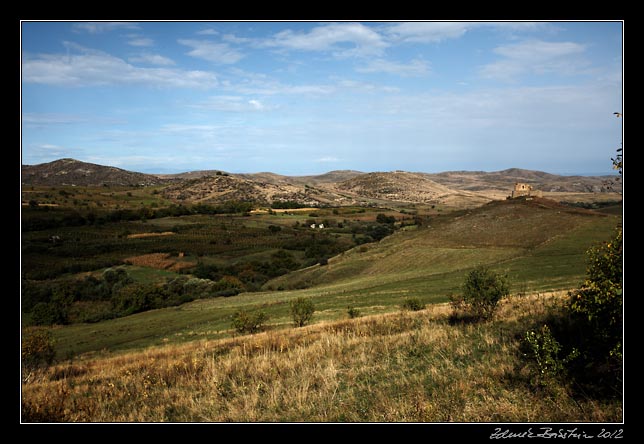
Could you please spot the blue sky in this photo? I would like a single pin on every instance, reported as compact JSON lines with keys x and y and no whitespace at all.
{"x":309,"y":97}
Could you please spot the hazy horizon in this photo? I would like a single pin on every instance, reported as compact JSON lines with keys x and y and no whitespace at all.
{"x":585,"y":174}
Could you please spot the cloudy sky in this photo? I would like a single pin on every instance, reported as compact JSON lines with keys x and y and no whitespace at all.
{"x":310,"y":97}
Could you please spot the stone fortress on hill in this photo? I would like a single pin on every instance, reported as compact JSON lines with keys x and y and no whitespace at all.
{"x":523,"y":189}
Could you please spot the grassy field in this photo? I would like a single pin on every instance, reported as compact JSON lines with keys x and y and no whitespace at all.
{"x":395,"y":367}
{"x":538,"y":245}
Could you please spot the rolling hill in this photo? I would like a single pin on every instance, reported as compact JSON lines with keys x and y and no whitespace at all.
{"x":220,"y":188}
{"x":539,"y":243}
{"x":456,"y":189}
{"x":74,"y":172}
{"x":505,"y":179}
{"x":401,"y":186}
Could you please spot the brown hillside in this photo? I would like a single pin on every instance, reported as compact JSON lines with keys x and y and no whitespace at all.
{"x":402,"y":186}
{"x":222,"y":188}
{"x":75,"y":172}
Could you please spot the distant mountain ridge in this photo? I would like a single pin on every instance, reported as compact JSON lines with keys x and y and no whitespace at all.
{"x":340,"y":187}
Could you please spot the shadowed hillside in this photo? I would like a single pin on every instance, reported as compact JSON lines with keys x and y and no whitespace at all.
{"x":75,"y":172}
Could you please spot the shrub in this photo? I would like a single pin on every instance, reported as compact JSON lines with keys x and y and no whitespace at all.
{"x":584,"y":340}
{"x":37,"y":350}
{"x":542,"y":347}
{"x":353,"y":312}
{"x":482,"y":291}
{"x":302,"y":310}
{"x":48,"y":313}
{"x":244,"y":322}
{"x":413,"y":304}
{"x":597,"y":304}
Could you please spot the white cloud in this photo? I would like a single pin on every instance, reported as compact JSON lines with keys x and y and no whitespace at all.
{"x":535,"y":57}
{"x":231,"y":104}
{"x":256,"y":104}
{"x":231,"y":38}
{"x":260,"y":86}
{"x":355,"y":85}
{"x":327,"y":159}
{"x":179,"y":127}
{"x":50,"y":119}
{"x":208,"y":31}
{"x":92,"y":67}
{"x":212,"y":52}
{"x":141,"y":41}
{"x":434,"y":32}
{"x":332,"y":38}
{"x":101,"y":27}
{"x":151,"y":59}
{"x":414,"y":68}
{"x":426,"y":32}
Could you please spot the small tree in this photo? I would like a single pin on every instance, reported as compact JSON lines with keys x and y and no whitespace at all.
{"x":37,"y":351}
{"x":302,"y":310}
{"x":482,"y":291}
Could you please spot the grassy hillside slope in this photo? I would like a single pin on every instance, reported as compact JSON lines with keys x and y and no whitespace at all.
{"x":396,"y":367}
{"x":539,"y":244}
{"x":524,"y":238}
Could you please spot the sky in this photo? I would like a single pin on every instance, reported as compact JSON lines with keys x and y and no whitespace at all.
{"x":301,"y":98}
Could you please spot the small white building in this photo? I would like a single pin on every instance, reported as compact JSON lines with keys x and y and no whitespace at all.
{"x":321,"y":226}
{"x":313,"y":226}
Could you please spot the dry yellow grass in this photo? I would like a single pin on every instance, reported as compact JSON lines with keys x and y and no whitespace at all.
{"x":397,"y":367}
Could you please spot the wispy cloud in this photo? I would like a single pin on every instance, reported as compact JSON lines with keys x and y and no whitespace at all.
{"x":50,"y":119}
{"x":140,"y":41}
{"x":232,"y":104}
{"x":92,"y":67}
{"x":151,"y":59}
{"x":327,"y":159}
{"x":535,"y":57}
{"x":426,"y":32}
{"x":414,"y":68}
{"x":333,"y":38}
{"x":434,"y":32}
{"x":263,"y":86}
{"x":208,"y":31}
{"x":212,"y":51}
{"x":101,"y":27}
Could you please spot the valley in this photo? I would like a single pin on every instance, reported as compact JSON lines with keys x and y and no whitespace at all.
{"x":123,"y":270}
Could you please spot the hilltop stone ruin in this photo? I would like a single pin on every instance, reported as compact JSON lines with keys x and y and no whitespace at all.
{"x":523,"y":189}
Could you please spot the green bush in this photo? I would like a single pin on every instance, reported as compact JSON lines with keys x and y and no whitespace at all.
{"x":584,"y":340}
{"x":482,"y":291}
{"x":596,"y":311}
{"x":48,"y":313}
{"x":413,"y":304}
{"x":302,"y":310}
{"x":245,"y":322}
{"x":543,"y":348}
{"x":353,"y":312}
{"x":598,"y":302}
